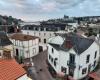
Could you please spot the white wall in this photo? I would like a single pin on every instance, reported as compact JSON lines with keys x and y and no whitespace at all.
{"x":24,"y":77}
{"x":53,"y":55}
{"x":26,"y":48}
{"x":63,"y":58}
{"x":41,"y":34}
{"x":1,"y":52}
{"x":81,"y":60}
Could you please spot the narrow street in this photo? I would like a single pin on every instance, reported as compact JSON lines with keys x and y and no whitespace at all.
{"x":40,"y":69}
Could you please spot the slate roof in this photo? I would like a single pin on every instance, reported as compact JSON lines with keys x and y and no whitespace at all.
{"x":56,"y":46}
{"x":78,"y":43}
{"x":49,"y":26}
{"x":4,"y":40}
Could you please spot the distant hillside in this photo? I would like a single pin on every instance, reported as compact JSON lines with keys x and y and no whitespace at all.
{"x":8,"y":20}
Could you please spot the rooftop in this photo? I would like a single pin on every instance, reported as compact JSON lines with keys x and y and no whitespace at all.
{"x":10,"y":70}
{"x":79,"y":43}
{"x":22,"y":37}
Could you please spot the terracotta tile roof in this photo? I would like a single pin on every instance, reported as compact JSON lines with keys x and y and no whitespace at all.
{"x":22,"y":37}
{"x":10,"y":70}
{"x":95,"y":75}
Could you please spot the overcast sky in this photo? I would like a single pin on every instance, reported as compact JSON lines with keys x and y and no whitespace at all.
{"x":35,"y":10}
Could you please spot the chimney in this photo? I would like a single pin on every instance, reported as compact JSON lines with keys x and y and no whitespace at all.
{"x":68,"y":44}
{"x":15,"y":29}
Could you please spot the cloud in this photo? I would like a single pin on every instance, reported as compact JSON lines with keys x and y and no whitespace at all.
{"x":45,"y":9}
{"x":87,"y":8}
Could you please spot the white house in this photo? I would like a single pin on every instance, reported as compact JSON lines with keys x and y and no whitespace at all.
{"x":73,"y":55}
{"x":42,"y":33}
{"x":25,"y":46}
{"x":46,"y":31}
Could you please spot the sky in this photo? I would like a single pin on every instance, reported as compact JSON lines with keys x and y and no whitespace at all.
{"x":36,"y":10}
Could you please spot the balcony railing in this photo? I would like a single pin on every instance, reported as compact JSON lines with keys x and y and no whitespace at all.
{"x":70,"y":64}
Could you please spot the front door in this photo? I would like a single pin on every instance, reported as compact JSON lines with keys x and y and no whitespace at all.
{"x":40,"y":48}
{"x":17,"y":54}
{"x":71,"y":71}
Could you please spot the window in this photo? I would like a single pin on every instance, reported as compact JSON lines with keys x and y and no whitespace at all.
{"x":63,"y":69}
{"x":36,"y":29}
{"x":52,"y":50}
{"x":94,"y":63}
{"x":44,"y":40}
{"x":49,"y":57}
{"x":55,"y":61}
{"x":84,"y":71}
{"x":72,"y":58}
{"x":88,"y":58}
{"x":46,"y":29}
{"x":95,"y":54}
{"x":42,"y":29}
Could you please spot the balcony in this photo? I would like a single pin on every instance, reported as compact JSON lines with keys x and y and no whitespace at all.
{"x":71,"y":65}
